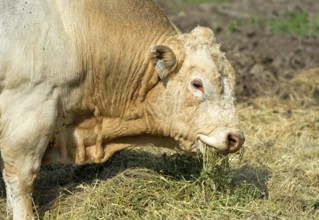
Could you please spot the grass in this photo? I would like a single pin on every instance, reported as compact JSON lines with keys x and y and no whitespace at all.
{"x":275,"y":176}
{"x":234,"y":26}
{"x":296,"y":22}
{"x":141,"y":193}
{"x":291,"y":23}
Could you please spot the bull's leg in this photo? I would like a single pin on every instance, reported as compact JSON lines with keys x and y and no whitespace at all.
{"x":80,"y":153}
{"x":99,"y":151}
{"x":25,"y":132}
{"x":21,"y":166}
{"x":80,"y":147}
{"x":19,"y":200}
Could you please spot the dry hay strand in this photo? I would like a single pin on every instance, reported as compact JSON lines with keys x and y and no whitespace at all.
{"x":283,"y":135}
{"x":302,"y":89}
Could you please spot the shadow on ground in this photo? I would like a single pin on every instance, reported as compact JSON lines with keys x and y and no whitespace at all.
{"x":59,"y":180}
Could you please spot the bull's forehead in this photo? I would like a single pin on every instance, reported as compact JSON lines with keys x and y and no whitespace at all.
{"x":201,"y":57}
{"x":205,"y":53}
{"x":207,"y":58}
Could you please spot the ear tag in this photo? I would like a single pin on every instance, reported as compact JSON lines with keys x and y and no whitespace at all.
{"x":160,"y":68}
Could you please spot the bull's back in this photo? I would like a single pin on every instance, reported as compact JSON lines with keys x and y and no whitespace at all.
{"x":34,"y":48}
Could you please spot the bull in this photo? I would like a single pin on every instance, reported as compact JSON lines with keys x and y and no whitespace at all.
{"x":80,"y":80}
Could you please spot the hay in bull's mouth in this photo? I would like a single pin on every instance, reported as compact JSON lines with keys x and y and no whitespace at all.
{"x":212,"y":159}
{"x":215,"y":173}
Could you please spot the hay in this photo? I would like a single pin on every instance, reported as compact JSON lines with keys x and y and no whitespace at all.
{"x":303,"y":89}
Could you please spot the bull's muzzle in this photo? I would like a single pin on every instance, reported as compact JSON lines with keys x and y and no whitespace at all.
{"x":224,"y":141}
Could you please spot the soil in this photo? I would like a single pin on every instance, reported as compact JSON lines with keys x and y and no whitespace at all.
{"x":264,"y":60}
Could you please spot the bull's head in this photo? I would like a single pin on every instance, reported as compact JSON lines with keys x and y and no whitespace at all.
{"x":194,"y":102}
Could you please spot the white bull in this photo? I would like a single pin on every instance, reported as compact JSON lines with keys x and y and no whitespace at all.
{"x":80,"y":80}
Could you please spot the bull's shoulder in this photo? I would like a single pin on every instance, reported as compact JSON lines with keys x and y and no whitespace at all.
{"x":35,"y":45}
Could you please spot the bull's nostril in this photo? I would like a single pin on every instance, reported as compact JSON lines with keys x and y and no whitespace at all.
{"x":233,"y":141}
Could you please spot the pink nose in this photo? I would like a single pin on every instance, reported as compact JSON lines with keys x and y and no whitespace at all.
{"x":227,"y":140}
{"x":235,"y":140}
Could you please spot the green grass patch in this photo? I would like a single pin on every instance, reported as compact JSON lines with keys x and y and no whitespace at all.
{"x":296,"y":22}
{"x":258,"y":20}
{"x":234,"y":26}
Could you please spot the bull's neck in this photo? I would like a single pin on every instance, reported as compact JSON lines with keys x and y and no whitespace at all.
{"x":120,"y":79}
{"x":114,"y":50}
{"x":121,"y":72}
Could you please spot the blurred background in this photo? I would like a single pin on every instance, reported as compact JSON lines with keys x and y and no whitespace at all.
{"x":267,"y":41}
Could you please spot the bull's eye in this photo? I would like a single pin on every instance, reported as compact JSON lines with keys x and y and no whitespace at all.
{"x":197,"y":84}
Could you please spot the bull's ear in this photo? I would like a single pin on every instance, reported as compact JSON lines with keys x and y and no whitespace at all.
{"x":164,"y":60}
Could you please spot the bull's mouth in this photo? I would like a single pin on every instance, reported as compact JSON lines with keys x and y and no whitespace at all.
{"x":221,"y":142}
{"x":203,"y":147}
